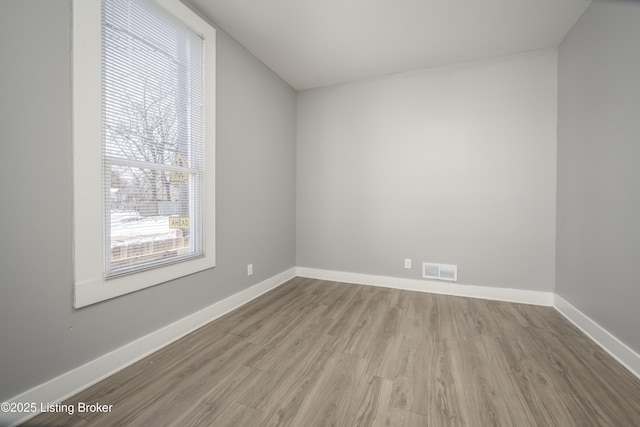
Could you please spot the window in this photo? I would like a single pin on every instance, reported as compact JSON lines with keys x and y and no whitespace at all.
{"x":143,"y":145}
{"x":152,"y":136}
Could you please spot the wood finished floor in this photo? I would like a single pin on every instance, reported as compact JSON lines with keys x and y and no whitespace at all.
{"x":314,"y":352}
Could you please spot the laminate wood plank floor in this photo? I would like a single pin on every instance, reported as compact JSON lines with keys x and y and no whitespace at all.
{"x":317,"y":353}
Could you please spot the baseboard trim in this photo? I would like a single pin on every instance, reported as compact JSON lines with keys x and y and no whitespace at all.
{"x":521,"y":296}
{"x":76,"y":380}
{"x":609,"y":343}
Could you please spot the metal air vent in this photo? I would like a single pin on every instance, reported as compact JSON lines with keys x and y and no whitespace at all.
{"x":440,"y":271}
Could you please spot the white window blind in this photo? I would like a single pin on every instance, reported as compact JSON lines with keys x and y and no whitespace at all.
{"x":153,"y":138}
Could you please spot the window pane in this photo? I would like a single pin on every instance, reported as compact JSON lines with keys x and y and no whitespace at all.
{"x":152,"y":137}
{"x":151,"y":217}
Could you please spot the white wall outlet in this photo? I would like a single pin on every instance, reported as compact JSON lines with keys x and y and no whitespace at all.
{"x":407,"y":263}
{"x":249,"y":269}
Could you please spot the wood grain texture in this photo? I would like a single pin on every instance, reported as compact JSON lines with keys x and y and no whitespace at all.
{"x":316,"y":353}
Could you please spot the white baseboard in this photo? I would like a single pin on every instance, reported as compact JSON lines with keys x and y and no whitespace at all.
{"x":446,"y":288}
{"x":76,"y":380}
{"x":609,"y":343}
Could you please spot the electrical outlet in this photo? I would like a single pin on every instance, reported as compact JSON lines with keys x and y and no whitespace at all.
{"x":407,"y":263}
{"x":249,"y":269}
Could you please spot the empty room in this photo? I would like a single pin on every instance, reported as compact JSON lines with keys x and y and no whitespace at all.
{"x":305,"y":213}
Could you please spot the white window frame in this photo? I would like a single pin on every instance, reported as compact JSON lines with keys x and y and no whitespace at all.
{"x":89,"y":284}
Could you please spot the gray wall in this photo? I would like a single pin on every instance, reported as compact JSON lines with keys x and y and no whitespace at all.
{"x":455,"y":165}
{"x":41,"y":335}
{"x":598,"y":244}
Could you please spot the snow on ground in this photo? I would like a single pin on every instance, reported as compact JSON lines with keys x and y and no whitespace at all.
{"x":128,"y":227}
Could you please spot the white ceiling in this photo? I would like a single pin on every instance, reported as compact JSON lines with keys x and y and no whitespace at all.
{"x":317,"y":43}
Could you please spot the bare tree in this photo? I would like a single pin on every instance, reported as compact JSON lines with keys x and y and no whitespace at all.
{"x":147,"y":131}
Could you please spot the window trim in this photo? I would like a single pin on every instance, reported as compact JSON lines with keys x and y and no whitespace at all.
{"x":89,"y":284}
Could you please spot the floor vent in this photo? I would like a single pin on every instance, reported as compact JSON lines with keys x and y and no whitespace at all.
{"x":440,"y":271}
